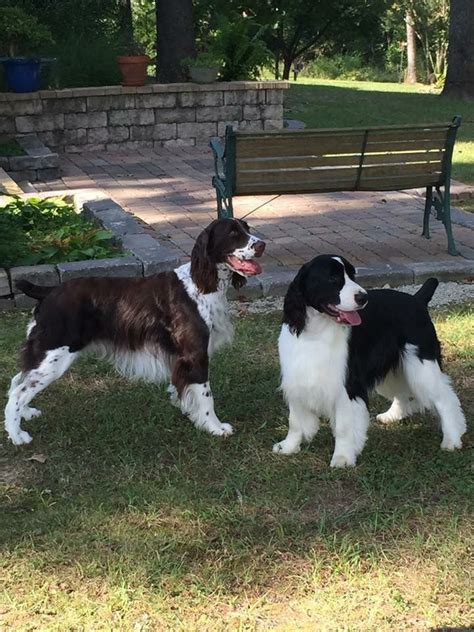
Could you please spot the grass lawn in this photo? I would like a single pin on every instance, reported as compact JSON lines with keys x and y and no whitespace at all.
{"x":138,"y":521}
{"x":321,"y":103}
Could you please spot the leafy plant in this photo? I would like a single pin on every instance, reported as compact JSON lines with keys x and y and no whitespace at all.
{"x":36,"y":231}
{"x":20,"y":30}
{"x":10,"y":148}
{"x":206,"y":59}
{"x":239,"y":44}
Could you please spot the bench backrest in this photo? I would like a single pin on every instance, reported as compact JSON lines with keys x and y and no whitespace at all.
{"x":374,"y":159}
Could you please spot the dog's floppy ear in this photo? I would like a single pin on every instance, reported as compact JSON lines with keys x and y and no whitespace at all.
{"x":238,"y":281}
{"x":294,"y":307}
{"x":349,"y":268}
{"x":203,"y":267}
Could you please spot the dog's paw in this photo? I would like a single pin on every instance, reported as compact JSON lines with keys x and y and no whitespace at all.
{"x":286,"y":447}
{"x":20,"y":438}
{"x":224,"y":430}
{"x":386,"y":418}
{"x":29,"y":413}
{"x":450,"y":444}
{"x":343,"y":460}
{"x":173,"y":395}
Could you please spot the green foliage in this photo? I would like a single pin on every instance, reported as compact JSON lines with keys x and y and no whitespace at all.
{"x":430,"y":19}
{"x":203,"y":60}
{"x":10,"y":148}
{"x":349,"y":66}
{"x":239,"y":43}
{"x":87,"y":64}
{"x":35,"y":231}
{"x":22,"y":32}
{"x":144,"y":25}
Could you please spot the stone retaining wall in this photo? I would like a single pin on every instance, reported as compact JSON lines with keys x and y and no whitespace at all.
{"x":116,"y":117}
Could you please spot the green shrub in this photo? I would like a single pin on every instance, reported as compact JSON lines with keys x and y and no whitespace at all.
{"x":87,"y":63}
{"x":347,"y":66}
{"x":238,"y":42}
{"x":36,"y":231}
{"x":10,"y":148}
{"x":21,"y":32}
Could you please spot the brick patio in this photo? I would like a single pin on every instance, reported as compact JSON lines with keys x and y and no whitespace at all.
{"x":170,"y":189}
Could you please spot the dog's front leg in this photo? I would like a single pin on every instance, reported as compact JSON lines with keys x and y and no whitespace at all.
{"x":197,"y":403}
{"x":190,"y":377}
{"x":349,"y":427}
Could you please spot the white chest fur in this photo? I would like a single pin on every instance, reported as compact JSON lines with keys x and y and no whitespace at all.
{"x":314,"y":364}
{"x":212,"y":307}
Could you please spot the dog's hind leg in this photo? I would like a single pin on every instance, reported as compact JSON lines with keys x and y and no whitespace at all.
{"x":303,"y":426}
{"x":28,"y":384}
{"x":434,"y":391}
{"x":27,"y":412}
{"x":404,"y":403}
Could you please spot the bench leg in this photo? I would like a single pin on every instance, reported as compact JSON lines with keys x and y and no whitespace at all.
{"x":426,"y":215}
{"x":224,"y":206}
{"x":447,"y":221}
{"x":442,"y":204}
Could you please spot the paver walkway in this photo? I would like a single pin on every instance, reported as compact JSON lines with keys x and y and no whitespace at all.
{"x":171,"y":190}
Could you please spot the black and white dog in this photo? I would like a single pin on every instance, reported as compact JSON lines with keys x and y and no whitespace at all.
{"x":332,"y":355}
{"x":160,"y":328}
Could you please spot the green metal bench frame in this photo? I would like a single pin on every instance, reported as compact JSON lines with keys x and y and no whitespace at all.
{"x":362,"y":161}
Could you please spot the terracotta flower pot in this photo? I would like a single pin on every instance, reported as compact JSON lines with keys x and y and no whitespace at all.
{"x":133,"y":69}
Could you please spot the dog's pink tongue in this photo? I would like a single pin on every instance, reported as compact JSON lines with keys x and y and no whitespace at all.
{"x":351,"y":318}
{"x":248,"y":266}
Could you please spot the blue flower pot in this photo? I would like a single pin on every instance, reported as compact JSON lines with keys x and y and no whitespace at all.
{"x":22,"y":74}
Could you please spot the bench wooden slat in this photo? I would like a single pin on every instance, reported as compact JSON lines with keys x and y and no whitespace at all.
{"x":296,"y":162}
{"x":398,"y":170}
{"x":309,"y":162}
{"x":430,"y":157}
{"x":295,"y":175}
{"x":276,"y":147}
{"x":287,"y":133}
{"x":397,"y":183}
{"x":259,"y":188}
{"x":402,"y":145}
{"x":408,"y":135}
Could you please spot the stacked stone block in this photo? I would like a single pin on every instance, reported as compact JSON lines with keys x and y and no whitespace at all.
{"x":115,"y":117}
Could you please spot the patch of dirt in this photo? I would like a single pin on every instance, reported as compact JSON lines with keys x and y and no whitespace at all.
{"x":335,"y":499}
{"x":15,"y":471}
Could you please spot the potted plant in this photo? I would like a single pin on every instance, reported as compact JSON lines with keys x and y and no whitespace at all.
{"x":204,"y":68}
{"x":21,"y":31}
{"x":133,"y":65}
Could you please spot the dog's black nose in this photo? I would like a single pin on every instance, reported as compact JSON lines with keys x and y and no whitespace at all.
{"x":259,"y":247}
{"x":361,"y":298}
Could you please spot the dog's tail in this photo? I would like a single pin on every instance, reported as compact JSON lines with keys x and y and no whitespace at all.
{"x":426,"y":291}
{"x":35,"y":291}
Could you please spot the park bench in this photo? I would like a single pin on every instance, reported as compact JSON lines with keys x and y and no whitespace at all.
{"x":389,"y":158}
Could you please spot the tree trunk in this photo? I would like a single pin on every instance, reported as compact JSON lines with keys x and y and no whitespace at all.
{"x":277,"y":66}
{"x":411,"y":49}
{"x":174,"y":39}
{"x":460,"y":77}
{"x":286,"y":68}
{"x":126,"y":23}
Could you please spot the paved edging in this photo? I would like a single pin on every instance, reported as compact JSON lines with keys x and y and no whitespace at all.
{"x":147,"y":254}
{"x":274,"y":283}
{"x":38,"y":164}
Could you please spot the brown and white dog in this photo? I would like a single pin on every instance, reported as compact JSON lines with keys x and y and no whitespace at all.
{"x":160,"y":328}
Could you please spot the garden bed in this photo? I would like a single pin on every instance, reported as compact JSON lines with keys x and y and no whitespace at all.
{"x":47,"y":240}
